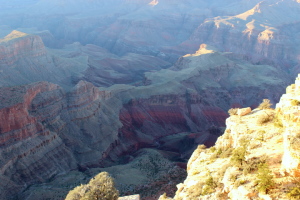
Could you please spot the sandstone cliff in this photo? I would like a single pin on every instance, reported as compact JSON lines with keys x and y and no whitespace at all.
{"x":256,"y":157}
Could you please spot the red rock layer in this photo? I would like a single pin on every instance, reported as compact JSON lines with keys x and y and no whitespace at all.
{"x":30,"y":153}
{"x":146,"y":120}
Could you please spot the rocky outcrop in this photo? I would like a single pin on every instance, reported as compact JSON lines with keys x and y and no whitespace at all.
{"x":259,"y":35}
{"x":24,"y":59}
{"x":288,"y":111}
{"x":18,"y":45}
{"x":257,"y":151}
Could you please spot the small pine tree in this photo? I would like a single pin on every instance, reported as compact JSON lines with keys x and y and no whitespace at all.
{"x":232,"y":111}
{"x":295,"y":102}
{"x":238,"y":156}
{"x":264,"y":118}
{"x":264,"y":178}
{"x":265,"y":104}
{"x":209,"y":186}
{"x":101,"y":187}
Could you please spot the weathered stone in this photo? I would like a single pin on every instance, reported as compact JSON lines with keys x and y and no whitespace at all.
{"x":243,"y":111}
{"x":131,"y":197}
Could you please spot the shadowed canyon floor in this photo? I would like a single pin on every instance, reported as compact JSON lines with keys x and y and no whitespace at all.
{"x":130,"y":87}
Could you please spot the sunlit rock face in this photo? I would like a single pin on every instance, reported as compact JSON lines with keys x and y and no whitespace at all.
{"x":288,"y":108}
{"x":264,"y":33}
{"x":19,"y":45}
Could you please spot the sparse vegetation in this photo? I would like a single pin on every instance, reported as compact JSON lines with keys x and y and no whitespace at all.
{"x":295,"y":102}
{"x":264,"y":178}
{"x":265,"y":104}
{"x":212,"y":149}
{"x":232,"y":111}
{"x":195,"y":190}
{"x":209,"y":186}
{"x":295,"y":142}
{"x":226,"y":153}
{"x":261,"y":135}
{"x":277,"y":122}
{"x":294,"y":193}
{"x":239,"y":182}
{"x":238,"y":156}
{"x":101,"y":187}
{"x":252,"y":164}
{"x":264,"y":118}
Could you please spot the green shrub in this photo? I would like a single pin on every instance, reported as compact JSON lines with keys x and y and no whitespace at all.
{"x":277,"y":122}
{"x":265,"y":104}
{"x":101,"y":187}
{"x":226,"y":153}
{"x":294,"y":193}
{"x":195,"y":190}
{"x":238,"y":156}
{"x":295,"y":102}
{"x":232,"y":111}
{"x":239,"y":182}
{"x":252,"y":164}
{"x":209,"y":186}
{"x":264,"y":178}
{"x":261,"y":135}
{"x":264,"y":118}
{"x":212,"y":149}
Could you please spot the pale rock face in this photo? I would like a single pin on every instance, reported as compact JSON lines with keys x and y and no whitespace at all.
{"x":243,"y":111}
{"x":239,"y":193}
{"x":290,"y":160}
{"x":227,"y":180}
{"x":290,"y":113}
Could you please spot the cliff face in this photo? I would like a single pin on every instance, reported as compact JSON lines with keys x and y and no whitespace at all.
{"x":18,"y":45}
{"x":28,"y":149}
{"x":24,"y":59}
{"x":39,"y":124}
{"x":263,"y":34}
{"x":255,"y":158}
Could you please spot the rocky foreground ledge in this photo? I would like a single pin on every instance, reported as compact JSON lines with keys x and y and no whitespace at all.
{"x":257,"y":157}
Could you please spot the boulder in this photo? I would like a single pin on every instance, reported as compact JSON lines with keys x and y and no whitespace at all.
{"x":244,"y":111}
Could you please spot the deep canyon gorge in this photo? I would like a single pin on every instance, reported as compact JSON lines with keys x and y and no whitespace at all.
{"x":131,"y":87}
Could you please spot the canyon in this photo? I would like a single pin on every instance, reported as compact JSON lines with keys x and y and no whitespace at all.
{"x":130,"y":87}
